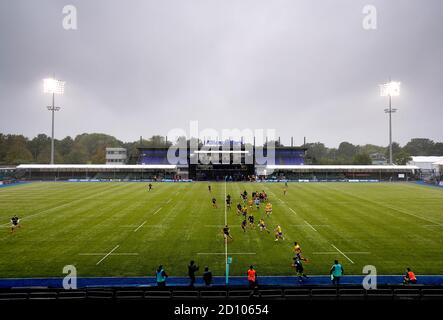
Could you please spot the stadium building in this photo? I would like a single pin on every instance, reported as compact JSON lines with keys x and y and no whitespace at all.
{"x":231,"y":161}
{"x":234,"y":162}
{"x":429,"y":165}
{"x":243,"y":162}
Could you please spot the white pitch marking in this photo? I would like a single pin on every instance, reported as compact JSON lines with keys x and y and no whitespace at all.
{"x":108,"y":254}
{"x":112,"y":254}
{"x":333,"y":252}
{"x":344,"y":255}
{"x":307,"y":223}
{"x":222,"y":253}
{"x":168,"y":201}
{"x":140,"y":226}
{"x":157,"y":210}
{"x":314,"y":225}
{"x":292,"y":210}
{"x":408,"y":213}
{"x":382,"y":204}
{"x":62,"y":205}
{"x":219,"y":225}
{"x":357,"y":252}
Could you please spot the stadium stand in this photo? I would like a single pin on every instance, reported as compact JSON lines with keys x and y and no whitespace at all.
{"x":352,"y":173}
{"x":64,"y":172}
{"x":163,"y":172}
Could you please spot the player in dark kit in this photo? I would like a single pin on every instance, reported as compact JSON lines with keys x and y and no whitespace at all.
{"x":299,"y":269}
{"x":214,"y":203}
{"x":239,"y":209}
{"x":149,"y":187}
{"x":15,"y":223}
{"x":209,"y":188}
{"x":243,"y":225}
{"x":251,"y":221}
{"x":228,"y":202}
{"x":226,"y":232}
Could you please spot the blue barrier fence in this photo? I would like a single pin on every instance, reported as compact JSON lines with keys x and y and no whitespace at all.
{"x":12,"y":184}
{"x":217,"y":281}
{"x":429,"y":185}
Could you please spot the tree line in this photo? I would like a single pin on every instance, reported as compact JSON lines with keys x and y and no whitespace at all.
{"x":347,"y":153}
{"x":91,"y":148}
{"x":84,"y":148}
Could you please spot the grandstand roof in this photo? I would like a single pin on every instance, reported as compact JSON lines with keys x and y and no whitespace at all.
{"x":341,"y":167}
{"x":430,"y":159}
{"x":97,"y":166}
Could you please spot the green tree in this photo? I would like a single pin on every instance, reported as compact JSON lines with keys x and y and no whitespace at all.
{"x":371,"y":148}
{"x":316,"y":152}
{"x":94,"y":141}
{"x":100,"y":156}
{"x":361,"y":158}
{"x":402,"y":157}
{"x":438,"y":149}
{"x":38,"y":144}
{"x":44,"y":157}
{"x":78,"y":155}
{"x":346,"y":151}
{"x":3,"y":148}
{"x":64,"y":147}
{"x":420,"y":147}
{"x":17,"y":150}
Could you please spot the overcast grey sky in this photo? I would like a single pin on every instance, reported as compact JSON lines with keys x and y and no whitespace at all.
{"x":306,"y":68}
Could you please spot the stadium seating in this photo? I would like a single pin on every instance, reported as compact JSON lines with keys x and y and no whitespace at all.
{"x":297,"y":294}
{"x":352,"y":294}
{"x":432,"y":294}
{"x":185,"y":295}
{"x":379,"y":294}
{"x":407,"y":294}
{"x":349,"y":293}
{"x":324,"y":294}
{"x":213,"y":294}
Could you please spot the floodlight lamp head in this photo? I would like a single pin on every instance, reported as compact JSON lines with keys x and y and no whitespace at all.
{"x":390,"y":89}
{"x":55,"y":86}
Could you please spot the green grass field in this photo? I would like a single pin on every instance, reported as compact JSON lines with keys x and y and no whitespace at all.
{"x":387,"y":225}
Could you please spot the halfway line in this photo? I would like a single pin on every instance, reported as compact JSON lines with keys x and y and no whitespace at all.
{"x":308,"y":224}
{"x":113,"y":254}
{"x":342,"y":253}
{"x":116,"y":247}
{"x":222,"y":253}
{"x":140,"y":226}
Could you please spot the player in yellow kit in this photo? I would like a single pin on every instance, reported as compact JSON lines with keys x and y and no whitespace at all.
{"x":250,"y":203}
{"x":262,"y":226}
{"x":244,"y":212}
{"x":278,"y":233}
{"x":298,"y":254}
{"x":268,"y":208}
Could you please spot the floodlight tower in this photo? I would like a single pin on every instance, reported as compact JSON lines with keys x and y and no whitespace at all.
{"x":53,"y":86}
{"x":390,"y":89}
